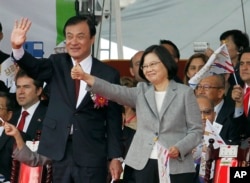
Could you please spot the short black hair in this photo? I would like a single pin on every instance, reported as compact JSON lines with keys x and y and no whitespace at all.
{"x":80,"y":18}
{"x":3,"y":87}
{"x":23,"y":73}
{"x":245,"y":50}
{"x":240,"y":38}
{"x":177,"y":52}
{"x":1,"y":28}
{"x":164,"y":56}
{"x":10,"y":104}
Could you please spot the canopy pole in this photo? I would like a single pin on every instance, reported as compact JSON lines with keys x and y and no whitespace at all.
{"x":243,"y":15}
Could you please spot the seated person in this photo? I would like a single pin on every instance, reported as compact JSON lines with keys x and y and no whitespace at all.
{"x":229,"y":118}
{"x":22,"y":153}
{"x":206,"y":107}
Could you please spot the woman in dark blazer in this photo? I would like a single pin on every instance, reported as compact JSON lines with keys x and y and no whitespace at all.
{"x":167,"y":113}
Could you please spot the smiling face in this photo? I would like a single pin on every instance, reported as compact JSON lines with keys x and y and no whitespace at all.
{"x":154,"y":70}
{"x":78,"y":41}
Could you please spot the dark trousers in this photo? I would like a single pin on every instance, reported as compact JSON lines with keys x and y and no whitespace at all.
{"x":183,"y":177}
{"x":128,"y":175}
{"x":150,"y":174}
{"x":67,"y":171}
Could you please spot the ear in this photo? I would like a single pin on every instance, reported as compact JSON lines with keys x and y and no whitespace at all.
{"x":93,"y":40}
{"x":1,"y":36}
{"x":240,"y":50}
{"x":39,"y":91}
{"x":131,"y":72}
{"x":9,"y":115}
{"x":221,"y":93}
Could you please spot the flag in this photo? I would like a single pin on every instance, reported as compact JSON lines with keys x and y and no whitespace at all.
{"x":218,"y":63}
{"x":163,"y":163}
{"x":210,"y":132}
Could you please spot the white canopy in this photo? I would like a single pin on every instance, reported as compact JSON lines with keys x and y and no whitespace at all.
{"x":145,"y":22}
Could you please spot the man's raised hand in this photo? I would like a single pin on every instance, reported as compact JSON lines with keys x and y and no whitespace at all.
{"x":18,"y":35}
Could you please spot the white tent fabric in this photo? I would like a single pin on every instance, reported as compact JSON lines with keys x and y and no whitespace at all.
{"x":145,"y":22}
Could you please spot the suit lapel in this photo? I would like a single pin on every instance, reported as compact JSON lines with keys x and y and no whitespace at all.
{"x":66,"y":83}
{"x":170,"y":94}
{"x":4,"y":138}
{"x":223,"y":113}
{"x":151,"y":100}
{"x":36,"y":120}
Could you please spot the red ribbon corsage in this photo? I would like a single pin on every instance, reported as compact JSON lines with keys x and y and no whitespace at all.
{"x":98,"y":100}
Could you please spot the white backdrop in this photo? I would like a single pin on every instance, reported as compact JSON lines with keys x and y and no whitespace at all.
{"x":144,"y":22}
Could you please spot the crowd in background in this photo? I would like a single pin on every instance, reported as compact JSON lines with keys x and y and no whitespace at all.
{"x":112,"y":120}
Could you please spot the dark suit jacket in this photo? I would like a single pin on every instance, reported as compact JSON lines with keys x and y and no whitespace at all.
{"x":246,"y":126}
{"x":6,"y":142}
{"x":97,"y":132}
{"x":232,"y":127}
{"x":3,"y":56}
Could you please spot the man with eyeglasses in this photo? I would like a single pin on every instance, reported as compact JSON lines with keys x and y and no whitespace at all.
{"x":6,"y":112}
{"x":228,"y":118}
{"x":134,"y":65}
{"x":206,"y":107}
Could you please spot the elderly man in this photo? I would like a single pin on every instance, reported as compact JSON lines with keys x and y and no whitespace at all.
{"x":6,"y":112}
{"x":228,"y":119}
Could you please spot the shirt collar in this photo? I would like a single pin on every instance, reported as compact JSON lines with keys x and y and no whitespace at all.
{"x":86,"y":64}
{"x":218,"y":107}
{"x":32,"y":108}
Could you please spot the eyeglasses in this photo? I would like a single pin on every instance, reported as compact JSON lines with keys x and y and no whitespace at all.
{"x":151,"y":65}
{"x":3,"y":108}
{"x":207,"y":87}
{"x":207,"y":112}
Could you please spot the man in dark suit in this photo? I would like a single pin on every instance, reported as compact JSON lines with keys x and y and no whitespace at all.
{"x":79,"y":134}
{"x":3,"y":56}
{"x":6,"y":111}
{"x":228,"y":119}
{"x":242,"y":94}
{"x":27,"y":95}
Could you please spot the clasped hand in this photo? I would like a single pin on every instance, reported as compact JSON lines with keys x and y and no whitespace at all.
{"x":238,"y":95}
{"x":77,"y":72}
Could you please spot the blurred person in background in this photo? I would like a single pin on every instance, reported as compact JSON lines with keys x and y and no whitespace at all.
{"x":193,"y":65}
